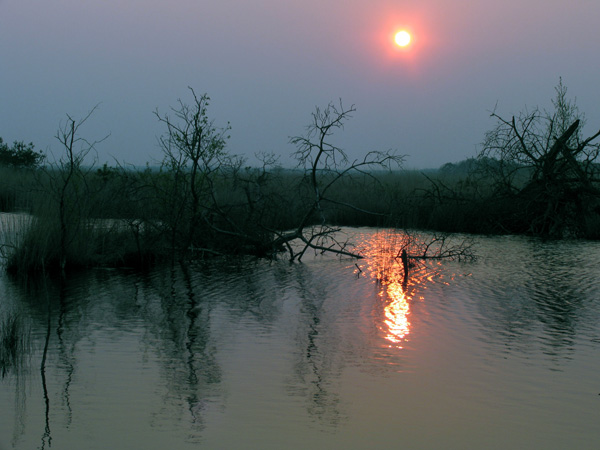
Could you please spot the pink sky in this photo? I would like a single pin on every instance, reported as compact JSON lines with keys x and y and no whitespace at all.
{"x":267,"y":64}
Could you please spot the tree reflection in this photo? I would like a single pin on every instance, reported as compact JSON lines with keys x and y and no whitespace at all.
{"x":15,"y":354}
{"x":202,"y":343}
{"x":179,"y":330}
{"x":47,"y":436}
{"x":66,"y":312}
{"x":183,"y":315}
{"x":317,"y":365}
{"x":548,"y":291}
{"x":23,"y":368}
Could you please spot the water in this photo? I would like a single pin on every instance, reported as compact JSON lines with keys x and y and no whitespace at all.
{"x":503,"y":352}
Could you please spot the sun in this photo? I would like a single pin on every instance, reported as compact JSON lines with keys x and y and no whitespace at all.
{"x":402,"y":38}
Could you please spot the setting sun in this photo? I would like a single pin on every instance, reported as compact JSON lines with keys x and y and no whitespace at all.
{"x":402,"y":38}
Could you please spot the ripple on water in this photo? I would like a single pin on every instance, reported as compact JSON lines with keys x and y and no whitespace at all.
{"x":503,"y":350}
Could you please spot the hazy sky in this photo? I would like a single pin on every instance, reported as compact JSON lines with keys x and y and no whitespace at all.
{"x":266,"y":64}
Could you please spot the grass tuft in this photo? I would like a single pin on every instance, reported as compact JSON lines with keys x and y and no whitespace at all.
{"x":15,"y":343}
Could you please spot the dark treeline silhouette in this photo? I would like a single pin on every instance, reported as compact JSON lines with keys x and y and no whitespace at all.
{"x":535,"y":174}
{"x":200,"y":201}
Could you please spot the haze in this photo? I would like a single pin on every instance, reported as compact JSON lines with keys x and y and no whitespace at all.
{"x":266,"y":64}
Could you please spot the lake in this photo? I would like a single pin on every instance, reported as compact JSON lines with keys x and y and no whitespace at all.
{"x":502,"y":352}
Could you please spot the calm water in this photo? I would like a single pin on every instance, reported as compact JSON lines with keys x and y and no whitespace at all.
{"x":500,"y":353}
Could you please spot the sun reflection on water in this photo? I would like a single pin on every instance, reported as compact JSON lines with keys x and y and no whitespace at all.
{"x":397,"y":325}
{"x":397,"y":285}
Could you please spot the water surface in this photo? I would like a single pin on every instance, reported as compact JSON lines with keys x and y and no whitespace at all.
{"x":503,"y":352}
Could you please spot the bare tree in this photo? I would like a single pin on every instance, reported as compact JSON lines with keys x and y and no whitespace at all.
{"x":68,"y":180}
{"x":200,"y":170}
{"x":325,"y":164}
{"x":197,"y":166}
{"x":541,"y":159}
{"x":194,"y":150}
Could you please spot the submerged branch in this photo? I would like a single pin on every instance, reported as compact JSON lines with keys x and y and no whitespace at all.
{"x":438,"y":248}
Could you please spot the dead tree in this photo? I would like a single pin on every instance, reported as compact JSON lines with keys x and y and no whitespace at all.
{"x":541,"y":161}
{"x":195,"y":155}
{"x":325,"y":164}
{"x":194,"y":150}
{"x":68,"y":181}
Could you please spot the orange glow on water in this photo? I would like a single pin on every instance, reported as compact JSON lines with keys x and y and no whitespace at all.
{"x":397,"y":292}
{"x":397,"y":310}
{"x":387,"y":269}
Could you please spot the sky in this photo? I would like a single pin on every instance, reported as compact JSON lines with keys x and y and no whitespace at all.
{"x":266,"y":65}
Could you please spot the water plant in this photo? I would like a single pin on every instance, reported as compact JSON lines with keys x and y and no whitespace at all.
{"x":14,"y":343}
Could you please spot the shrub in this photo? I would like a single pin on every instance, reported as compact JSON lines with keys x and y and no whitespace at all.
{"x":20,"y":155}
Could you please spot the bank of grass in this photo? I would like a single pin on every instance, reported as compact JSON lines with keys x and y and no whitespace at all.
{"x":88,"y":245}
{"x":136,"y":218}
{"x":90,"y":242}
{"x":117,"y":217}
{"x":71,"y":229}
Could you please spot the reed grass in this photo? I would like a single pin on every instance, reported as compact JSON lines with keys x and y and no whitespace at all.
{"x":17,"y":188}
{"x":15,"y":343}
{"x":115,"y":217}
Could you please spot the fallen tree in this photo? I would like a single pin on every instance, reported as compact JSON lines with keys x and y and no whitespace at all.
{"x":196,"y":158}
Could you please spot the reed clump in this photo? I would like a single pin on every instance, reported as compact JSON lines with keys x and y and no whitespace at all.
{"x":15,"y":342}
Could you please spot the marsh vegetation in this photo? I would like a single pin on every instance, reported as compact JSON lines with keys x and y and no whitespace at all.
{"x":536,"y":174}
{"x":15,"y":343}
